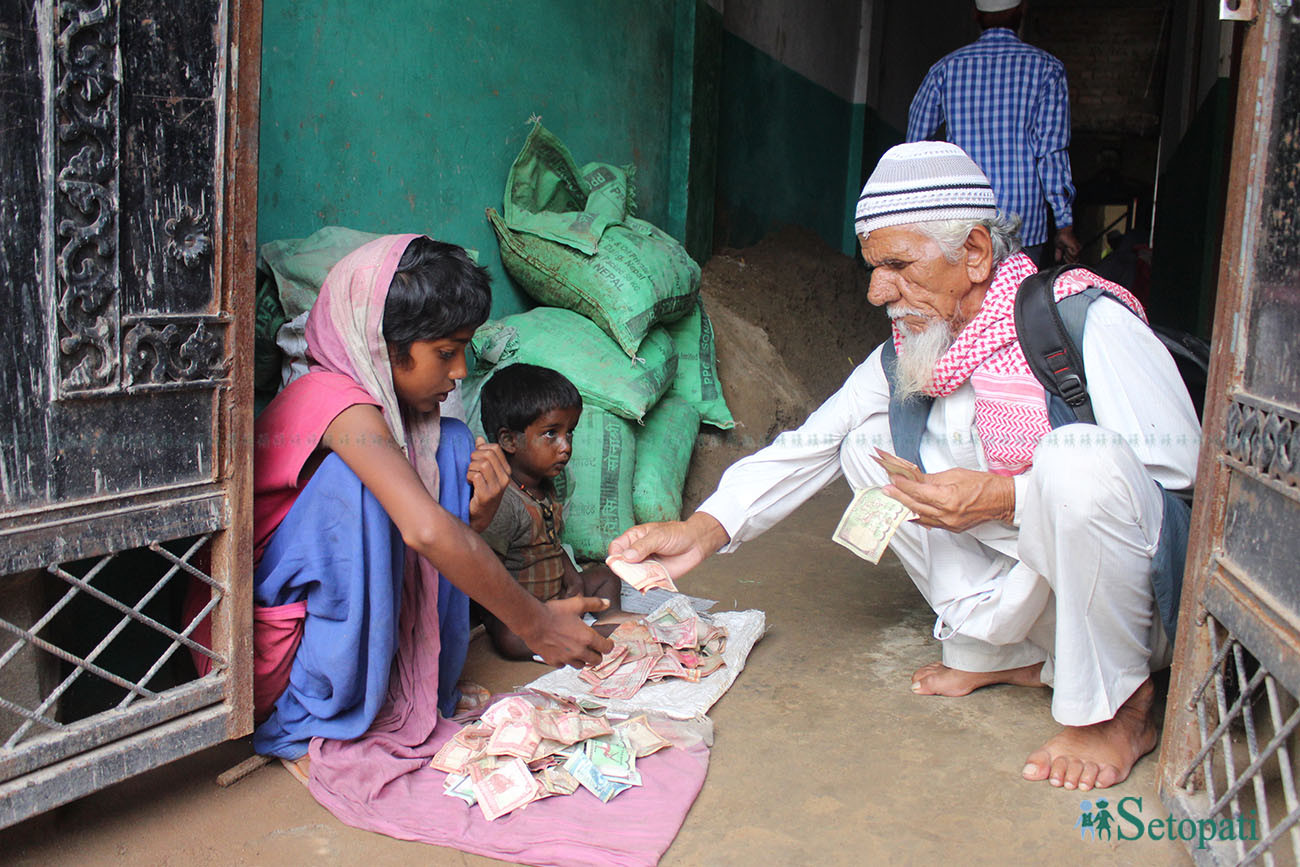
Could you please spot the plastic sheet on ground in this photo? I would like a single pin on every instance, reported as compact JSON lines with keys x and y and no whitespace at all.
{"x":643,"y":603}
{"x":674,"y":697}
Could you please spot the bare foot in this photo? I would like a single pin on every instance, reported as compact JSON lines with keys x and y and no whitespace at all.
{"x":1102,"y":754}
{"x":300,"y":768}
{"x":938,"y":679}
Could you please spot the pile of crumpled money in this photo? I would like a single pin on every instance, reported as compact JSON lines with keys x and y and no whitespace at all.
{"x":519,"y":752}
{"x":672,"y":641}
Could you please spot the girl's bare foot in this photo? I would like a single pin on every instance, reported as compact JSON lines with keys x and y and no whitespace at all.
{"x":938,"y":679}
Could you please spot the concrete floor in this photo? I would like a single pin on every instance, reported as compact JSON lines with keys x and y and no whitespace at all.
{"x":822,"y":754}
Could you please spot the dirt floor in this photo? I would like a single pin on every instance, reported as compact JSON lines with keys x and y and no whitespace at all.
{"x":822,"y":754}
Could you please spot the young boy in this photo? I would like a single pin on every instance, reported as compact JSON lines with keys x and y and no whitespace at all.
{"x":531,"y":411}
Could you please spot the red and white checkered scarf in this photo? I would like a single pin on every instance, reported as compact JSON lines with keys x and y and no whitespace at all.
{"x":1010,"y":403}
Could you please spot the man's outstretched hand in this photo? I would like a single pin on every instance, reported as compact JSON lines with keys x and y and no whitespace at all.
{"x":956,"y":499}
{"x":679,"y":545}
{"x":560,"y":637}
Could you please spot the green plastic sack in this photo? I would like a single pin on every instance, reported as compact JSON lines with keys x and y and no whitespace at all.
{"x":596,"y":487}
{"x":573,"y":345}
{"x":589,"y":254}
{"x":299,"y":265}
{"x":267,"y":318}
{"x":663,"y":457}
{"x":547,"y":195}
{"x":697,"y":368}
{"x":640,"y":277}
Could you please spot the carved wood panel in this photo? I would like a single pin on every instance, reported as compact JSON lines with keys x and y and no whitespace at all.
{"x":114,"y":343}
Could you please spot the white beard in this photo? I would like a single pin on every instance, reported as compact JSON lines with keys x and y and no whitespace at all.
{"x":919,"y":354}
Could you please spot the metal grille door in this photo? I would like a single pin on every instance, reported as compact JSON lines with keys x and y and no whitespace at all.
{"x":1228,"y":760}
{"x":127,"y":217}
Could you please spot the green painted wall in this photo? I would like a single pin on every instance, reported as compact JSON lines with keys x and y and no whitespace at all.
{"x":407,"y":119}
{"x":1189,"y":218}
{"x":790,"y":152}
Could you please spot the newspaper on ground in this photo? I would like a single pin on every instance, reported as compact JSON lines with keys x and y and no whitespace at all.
{"x":870,"y":522}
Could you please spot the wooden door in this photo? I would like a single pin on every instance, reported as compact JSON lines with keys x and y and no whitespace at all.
{"x":1229,"y":750}
{"x":127,"y":221}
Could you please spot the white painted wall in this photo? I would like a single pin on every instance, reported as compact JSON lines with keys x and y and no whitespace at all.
{"x":822,"y":40}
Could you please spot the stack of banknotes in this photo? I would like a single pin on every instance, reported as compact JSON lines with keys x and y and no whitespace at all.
{"x":518,"y":752}
{"x":671,"y":641}
{"x":643,"y":576}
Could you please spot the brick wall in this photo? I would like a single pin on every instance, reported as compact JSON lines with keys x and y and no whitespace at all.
{"x":1114,"y":56}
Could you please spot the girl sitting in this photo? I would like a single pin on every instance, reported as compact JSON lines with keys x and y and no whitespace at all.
{"x":351,"y":461}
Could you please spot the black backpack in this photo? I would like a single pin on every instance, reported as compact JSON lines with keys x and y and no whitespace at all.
{"x":1051,"y":335}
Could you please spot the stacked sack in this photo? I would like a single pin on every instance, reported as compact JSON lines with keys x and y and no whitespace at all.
{"x":623,"y":321}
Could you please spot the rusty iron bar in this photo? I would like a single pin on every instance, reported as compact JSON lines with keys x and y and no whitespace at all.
{"x":134,"y":613}
{"x":1220,"y":654}
{"x":76,"y":673}
{"x":184,"y":564}
{"x":1252,"y":750}
{"x":72,"y":658}
{"x":54,"y":610}
{"x":1284,"y":761}
{"x":29,"y":714}
{"x":1226,"y":717}
{"x":83,"y":584}
{"x":1269,"y":750}
{"x":1287,"y":824}
{"x":218,"y":661}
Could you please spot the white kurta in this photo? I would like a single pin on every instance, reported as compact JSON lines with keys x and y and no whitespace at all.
{"x":1068,"y":584}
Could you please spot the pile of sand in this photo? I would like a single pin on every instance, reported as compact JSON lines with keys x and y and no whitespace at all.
{"x":791,"y":320}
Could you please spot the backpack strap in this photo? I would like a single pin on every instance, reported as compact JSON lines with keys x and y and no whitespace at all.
{"x":907,"y":419}
{"x":1051,"y":346}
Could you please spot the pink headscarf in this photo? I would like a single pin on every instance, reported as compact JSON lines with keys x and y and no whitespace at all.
{"x":345,"y":334}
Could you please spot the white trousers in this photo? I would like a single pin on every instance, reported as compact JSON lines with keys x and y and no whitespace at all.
{"x":1070,"y":589}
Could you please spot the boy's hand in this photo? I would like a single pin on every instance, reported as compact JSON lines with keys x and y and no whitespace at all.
{"x":560,"y":637}
{"x":488,"y":476}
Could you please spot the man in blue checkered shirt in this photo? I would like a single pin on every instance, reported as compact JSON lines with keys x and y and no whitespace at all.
{"x":1007,"y":105}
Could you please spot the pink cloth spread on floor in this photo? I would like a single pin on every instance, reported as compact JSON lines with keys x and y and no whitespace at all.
{"x":393,"y":791}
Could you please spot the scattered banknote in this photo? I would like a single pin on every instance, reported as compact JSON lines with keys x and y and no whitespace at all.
{"x":640,"y":737}
{"x":870,"y":522}
{"x":644,"y":575}
{"x":557,"y":781}
{"x":523,"y":749}
{"x":514,"y":737}
{"x":626,"y":680}
{"x":586,"y":773}
{"x":506,"y":787}
{"x":460,"y":786}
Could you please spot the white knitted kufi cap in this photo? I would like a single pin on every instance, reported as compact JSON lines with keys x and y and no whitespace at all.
{"x":922,"y":182}
{"x":996,"y":5}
